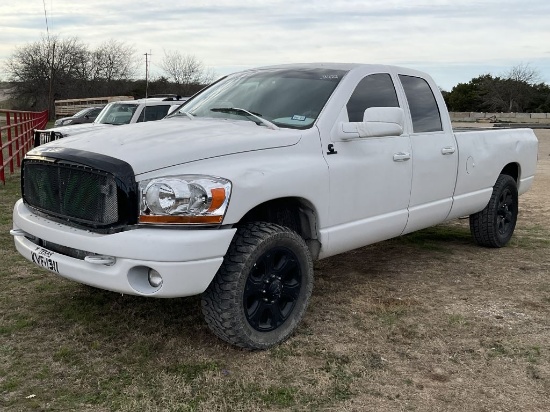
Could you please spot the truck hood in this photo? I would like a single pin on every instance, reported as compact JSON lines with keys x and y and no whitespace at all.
{"x":169,"y":142}
{"x":68,"y":131}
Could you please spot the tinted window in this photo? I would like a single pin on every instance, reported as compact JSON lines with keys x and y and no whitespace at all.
{"x":151,"y":113}
{"x":376,"y":90}
{"x":424,"y":111}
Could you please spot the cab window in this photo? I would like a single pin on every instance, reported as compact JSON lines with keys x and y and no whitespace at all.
{"x":151,"y":113}
{"x":375,"y":90}
{"x":424,"y":111}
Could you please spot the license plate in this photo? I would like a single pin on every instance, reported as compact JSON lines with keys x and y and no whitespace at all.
{"x":45,"y":258}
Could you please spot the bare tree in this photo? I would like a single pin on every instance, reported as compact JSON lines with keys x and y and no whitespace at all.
{"x":516,"y":87}
{"x":524,"y":73}
{"x":55,"y":68}
{"x":40,"y":69}
{"x":185,"y":70}
{"x":112,"y":60}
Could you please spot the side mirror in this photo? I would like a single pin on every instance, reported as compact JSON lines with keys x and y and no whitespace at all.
{"x":377,"y":122}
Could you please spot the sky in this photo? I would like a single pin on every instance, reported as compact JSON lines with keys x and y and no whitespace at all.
{"x":453,"y":40}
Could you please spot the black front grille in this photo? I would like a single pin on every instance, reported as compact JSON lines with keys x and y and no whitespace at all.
{"x":79,"y":194}
{"x":73,"y":192}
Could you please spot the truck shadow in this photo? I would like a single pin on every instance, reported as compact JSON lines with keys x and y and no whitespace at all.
{"x":126,"y":319}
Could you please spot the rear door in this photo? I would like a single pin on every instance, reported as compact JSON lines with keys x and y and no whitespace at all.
{"x":434,"y":156}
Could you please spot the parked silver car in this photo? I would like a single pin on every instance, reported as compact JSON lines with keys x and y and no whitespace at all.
{"x":87,"y":115}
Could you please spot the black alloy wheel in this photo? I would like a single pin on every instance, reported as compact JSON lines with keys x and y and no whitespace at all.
{"x":506,"y":212}
{"x":272,"y":289}
{"x":261,"y":291}
{"x":494,"y":225}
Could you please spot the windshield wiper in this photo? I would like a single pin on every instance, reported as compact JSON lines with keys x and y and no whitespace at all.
{"x":189,"y":115}
{"x":236,"y":110}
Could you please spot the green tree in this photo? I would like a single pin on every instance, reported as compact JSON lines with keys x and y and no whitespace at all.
{"x":541,"y":99}
{"x":515,"y":91}
{"x":468,"y":97}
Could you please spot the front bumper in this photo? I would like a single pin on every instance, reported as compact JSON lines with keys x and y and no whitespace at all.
{"x":187,"y":260}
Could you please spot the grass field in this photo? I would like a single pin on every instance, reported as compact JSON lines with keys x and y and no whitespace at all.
{"x":425,"y":322}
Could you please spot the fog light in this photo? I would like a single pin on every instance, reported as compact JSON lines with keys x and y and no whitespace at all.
{"x":155,"y":280}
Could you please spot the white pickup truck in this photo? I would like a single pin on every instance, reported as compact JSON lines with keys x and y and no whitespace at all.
{"x":236,"y":193}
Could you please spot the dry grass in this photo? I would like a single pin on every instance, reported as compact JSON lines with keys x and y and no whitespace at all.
{"x":426,"y":322}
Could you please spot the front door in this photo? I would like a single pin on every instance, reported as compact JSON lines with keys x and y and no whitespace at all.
{"x":370,"y":178}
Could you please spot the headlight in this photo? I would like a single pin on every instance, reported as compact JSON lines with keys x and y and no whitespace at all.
{"x":66,"y":122}
{"x":187,"y":199}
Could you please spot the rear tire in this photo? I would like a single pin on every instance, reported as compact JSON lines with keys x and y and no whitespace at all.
{"x":494,"y":225}
{"x":261,"y":291}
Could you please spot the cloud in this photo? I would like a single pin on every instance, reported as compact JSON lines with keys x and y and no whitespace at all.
{"x":227,"y":34}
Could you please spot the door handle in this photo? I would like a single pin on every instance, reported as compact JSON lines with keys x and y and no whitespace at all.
{"x":449,"y":150}
{"x":401,"y":157}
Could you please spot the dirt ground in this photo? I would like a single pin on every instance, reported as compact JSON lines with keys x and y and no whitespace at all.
{"x":462,"y":327}
{"x":424,"y":322}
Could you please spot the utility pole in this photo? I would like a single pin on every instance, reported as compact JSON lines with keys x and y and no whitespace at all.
{"x":51,"y":104}
{"x":147,"y":73}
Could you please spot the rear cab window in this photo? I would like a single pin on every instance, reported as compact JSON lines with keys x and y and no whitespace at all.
{"x":152,"y":113}
{"x":422,"y":104}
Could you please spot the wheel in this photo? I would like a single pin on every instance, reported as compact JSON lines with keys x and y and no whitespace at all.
{"x":262,"y":289}
{"x":494,"y":225}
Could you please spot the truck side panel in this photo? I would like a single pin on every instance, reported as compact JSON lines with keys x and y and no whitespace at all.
{"x":482,"y":156}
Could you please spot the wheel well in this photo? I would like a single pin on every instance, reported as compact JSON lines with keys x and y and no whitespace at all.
{"x":292,"y":212}
{"x":511,"y":169}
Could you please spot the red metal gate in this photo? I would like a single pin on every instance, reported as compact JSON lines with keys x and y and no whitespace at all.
{"x":16,"y":137}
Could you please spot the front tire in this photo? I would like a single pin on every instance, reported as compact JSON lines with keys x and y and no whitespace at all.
{"x":494,"y":225}
{"x":262,"y":289}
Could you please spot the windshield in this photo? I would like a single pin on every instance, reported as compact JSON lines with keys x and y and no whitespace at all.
{"x":286,"y":97}
{"x":117,"y":113}
{"x":81,"y":113}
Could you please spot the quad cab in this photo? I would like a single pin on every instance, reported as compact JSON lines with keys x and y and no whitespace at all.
{"x":236,"y":193}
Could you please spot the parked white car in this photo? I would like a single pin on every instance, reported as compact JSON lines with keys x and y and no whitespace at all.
{"x":242,"y":188}
{"x":115,"y":114}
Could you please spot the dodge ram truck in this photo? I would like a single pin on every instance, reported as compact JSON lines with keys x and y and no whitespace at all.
{"x":236,"y":193}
